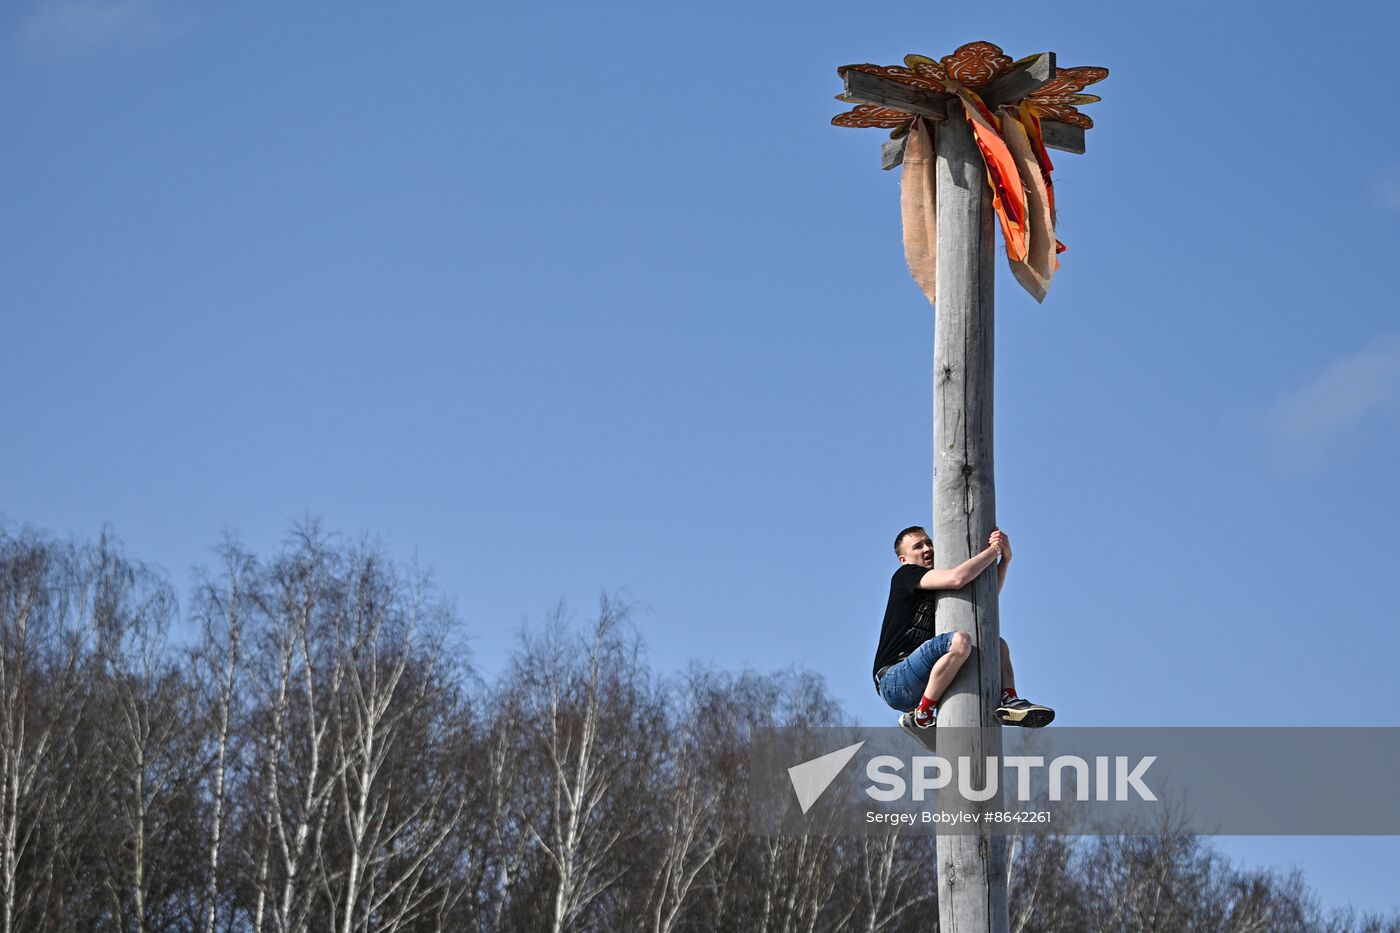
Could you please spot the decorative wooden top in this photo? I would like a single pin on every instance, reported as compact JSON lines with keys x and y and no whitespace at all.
{"x":979,"y":67}
{"x":1014,"y":111}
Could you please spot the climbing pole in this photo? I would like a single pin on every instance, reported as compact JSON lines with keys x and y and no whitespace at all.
{"x":971,"y":130}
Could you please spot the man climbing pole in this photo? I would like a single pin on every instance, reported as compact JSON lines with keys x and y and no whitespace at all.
{"x":972,"y":131}
{"x":913,"y":666}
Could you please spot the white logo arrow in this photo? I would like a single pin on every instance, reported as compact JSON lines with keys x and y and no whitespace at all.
{"x":811,"y":778}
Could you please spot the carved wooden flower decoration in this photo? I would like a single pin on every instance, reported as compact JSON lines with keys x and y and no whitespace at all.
{"x":1059,"y":99}
{"x":1014,"y":110}
{"x":973,"y":67}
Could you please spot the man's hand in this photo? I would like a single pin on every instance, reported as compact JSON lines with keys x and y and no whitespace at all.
{"x":998,"y":539}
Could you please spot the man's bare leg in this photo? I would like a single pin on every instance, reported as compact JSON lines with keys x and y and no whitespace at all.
{"x":947,"y":667}
{"x":1016,"y":710}
{"x":919,"y":722}
{"x":1008,"y":676}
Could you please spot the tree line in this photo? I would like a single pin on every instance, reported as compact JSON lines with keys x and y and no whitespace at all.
{"x":304,"y":746}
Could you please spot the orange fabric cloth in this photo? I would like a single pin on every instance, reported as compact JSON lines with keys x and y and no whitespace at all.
{"x":1008,"y":197}
{"x":1018,"y":170}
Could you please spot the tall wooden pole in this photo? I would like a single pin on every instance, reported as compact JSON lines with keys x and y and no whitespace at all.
{"x":972,"y":869}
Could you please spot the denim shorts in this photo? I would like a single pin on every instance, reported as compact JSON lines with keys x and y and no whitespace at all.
{"x":903,"y":683}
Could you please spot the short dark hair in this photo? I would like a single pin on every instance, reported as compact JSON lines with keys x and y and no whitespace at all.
{"x":911,"y":530}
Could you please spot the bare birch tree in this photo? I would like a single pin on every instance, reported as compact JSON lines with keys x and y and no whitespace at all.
{"x":150,"y":745}
{"x":690,"y":838}
{"x":896,"y":882}
{"x":295,"y":678}
{"x":223,"y":606}
{"x":395,"y":727}
{"x":586,"y":707}
{"x":45,"y":649}
{"x":501,"y":842}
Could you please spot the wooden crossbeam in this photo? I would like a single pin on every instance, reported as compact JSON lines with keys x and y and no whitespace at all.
{"x":892,"y":152}
{"x":864,"y":88}
{"x":1022,"y":79}
{"x":1062,"y":136}
{"x":1053,"y":133}
{"x":1025,"y":76}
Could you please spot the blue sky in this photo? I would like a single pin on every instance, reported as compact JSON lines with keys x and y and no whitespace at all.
{"x":563,"y":299}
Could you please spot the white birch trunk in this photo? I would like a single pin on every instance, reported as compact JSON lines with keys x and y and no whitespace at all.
{"x":224,"y":663}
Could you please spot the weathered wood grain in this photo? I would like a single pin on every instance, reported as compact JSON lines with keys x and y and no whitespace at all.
{"x":866,"y":88}
{"x":972,"y":869}
{"x":1055,"y":134}
{"x":892,"y":152}
{"x":1062,"y":136}
{"x":1024,"y":77}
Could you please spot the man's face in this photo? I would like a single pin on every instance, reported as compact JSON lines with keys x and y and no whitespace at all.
{"x":916,"y":549}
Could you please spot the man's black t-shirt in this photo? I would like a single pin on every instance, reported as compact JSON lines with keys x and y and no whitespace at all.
{"x":908,"y":616}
